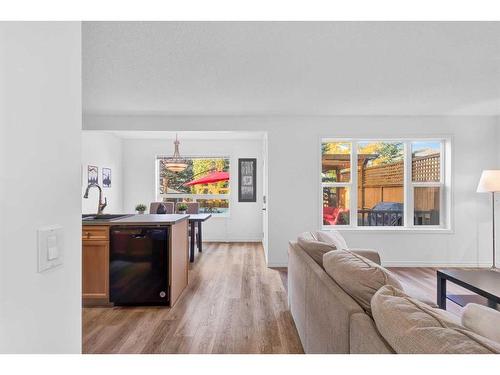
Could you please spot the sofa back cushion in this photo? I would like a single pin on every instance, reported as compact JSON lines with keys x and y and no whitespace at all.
{"x":333,"y":237}
{"x":482,"y":320}
{"x":358,"y":276}
{"x":412,"y":327}
{"x":314,"y":247}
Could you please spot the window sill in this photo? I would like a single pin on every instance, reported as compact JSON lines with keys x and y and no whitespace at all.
{"x":220,"y":216}
{"x":425,"y":230}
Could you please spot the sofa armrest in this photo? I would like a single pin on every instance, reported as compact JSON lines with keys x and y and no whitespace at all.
{"x":320,"y":308}
{"x":367,"y":253}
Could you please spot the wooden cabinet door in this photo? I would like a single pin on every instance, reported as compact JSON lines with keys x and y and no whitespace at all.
{"x":95,"y":269}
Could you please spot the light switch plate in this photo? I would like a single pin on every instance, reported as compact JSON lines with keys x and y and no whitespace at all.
{"x":50,"y":247}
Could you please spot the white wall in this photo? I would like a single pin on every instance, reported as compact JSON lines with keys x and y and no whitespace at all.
{"x":102,"y":150}
{"x":40,"y":122}
{"x":498,"y":141}
{"x":294,"y":186}
{"x":245,"y":220}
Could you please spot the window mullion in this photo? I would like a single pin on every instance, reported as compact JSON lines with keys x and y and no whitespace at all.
{"x":408,"y":205}
{"x":354,"y":186}
{"x":335,"y":184}
{"x":443,"y":209}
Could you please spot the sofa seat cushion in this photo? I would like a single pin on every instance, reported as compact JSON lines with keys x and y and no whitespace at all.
{"x":357,"y":275}
{"x":412,"y":327}
{"x":314,"y":247}
{"x":482,"y":320}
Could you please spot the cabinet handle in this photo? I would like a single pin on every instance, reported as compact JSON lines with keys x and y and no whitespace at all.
{"x":87,"y":234}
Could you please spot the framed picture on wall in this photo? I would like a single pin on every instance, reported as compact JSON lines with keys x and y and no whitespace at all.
{"x":247,"y":180}
{"x":106,"y":177}
{"x":92,"y":174}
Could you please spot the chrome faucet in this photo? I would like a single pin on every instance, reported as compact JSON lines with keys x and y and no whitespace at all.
{"x":101,"y":205}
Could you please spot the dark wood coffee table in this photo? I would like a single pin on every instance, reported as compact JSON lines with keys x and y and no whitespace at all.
{"x":484,"y":282}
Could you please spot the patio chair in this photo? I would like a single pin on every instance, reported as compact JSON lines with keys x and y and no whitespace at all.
{"x":154,"y":206}
{"x":192,"y":207}
{"x":332,"y":215}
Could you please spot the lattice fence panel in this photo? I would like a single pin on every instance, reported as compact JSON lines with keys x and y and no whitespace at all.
{"x":383,"y":175}
{"x":426,"y":168}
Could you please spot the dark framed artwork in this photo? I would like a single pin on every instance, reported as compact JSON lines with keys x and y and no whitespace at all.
{"x":247,"y":180}
{"x":92,"y":174}
{"x":106,"y":177}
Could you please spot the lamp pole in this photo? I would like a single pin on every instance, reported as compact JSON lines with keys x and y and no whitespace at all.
{"x":490,"y":183}
{"x":494,"y":246}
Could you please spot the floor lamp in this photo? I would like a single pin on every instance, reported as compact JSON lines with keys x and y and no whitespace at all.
{"x":490,"y":183}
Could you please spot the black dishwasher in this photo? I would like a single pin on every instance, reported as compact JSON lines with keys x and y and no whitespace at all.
{"x":138,"y":265}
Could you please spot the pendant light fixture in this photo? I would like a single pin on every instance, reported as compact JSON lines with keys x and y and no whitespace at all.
{"x":176,"y":163}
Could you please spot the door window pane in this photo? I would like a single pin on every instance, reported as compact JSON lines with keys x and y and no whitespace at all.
{"x":335,"y":162}
{"x":335,"y":206}
{"x":380,"y":183}
{"x":426,"y":161}
{"x":427,"y":203}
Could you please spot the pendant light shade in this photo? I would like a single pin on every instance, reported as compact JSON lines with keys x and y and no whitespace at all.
{"x":176,"y":163}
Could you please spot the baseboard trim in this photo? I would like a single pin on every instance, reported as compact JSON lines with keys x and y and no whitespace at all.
{"x":434,"y":264}
{"x":227,"y":240}
{"x":277,"y":265}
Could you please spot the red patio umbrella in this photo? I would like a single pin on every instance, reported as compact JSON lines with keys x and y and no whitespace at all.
{"x":210,"y":178}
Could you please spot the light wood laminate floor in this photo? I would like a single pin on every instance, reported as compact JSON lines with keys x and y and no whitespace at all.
{"x":233,"y":304}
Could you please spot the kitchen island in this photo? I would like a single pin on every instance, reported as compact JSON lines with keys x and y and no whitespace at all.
{"x":96,"y":247}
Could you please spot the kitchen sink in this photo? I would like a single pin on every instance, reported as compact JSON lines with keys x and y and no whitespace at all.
{"x":103,"y":217}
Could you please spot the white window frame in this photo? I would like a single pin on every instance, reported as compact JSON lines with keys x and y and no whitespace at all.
{"x":445,"y":198}
{"x":195,"y":197}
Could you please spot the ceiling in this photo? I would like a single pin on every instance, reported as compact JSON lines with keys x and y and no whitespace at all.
{"x":189,"y":135}
{"x":291,"y":68}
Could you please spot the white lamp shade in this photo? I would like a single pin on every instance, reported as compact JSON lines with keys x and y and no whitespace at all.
{"x":489,"y":182}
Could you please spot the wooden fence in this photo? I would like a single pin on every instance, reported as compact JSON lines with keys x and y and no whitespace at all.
{"x":384,"y":183}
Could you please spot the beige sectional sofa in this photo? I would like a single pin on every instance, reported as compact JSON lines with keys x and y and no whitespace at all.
{"x":337,"y":316}
{"x":328,"y":319}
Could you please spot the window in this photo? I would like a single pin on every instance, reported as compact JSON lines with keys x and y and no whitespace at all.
{"x":383,"y":183}
{"x":205,"y":180}
{"x":336,"y":178}
{"x":380,"y":183}
{"x":426,"y":182}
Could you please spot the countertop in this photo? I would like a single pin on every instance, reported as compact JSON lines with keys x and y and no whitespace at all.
{"x":140,"y":220}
